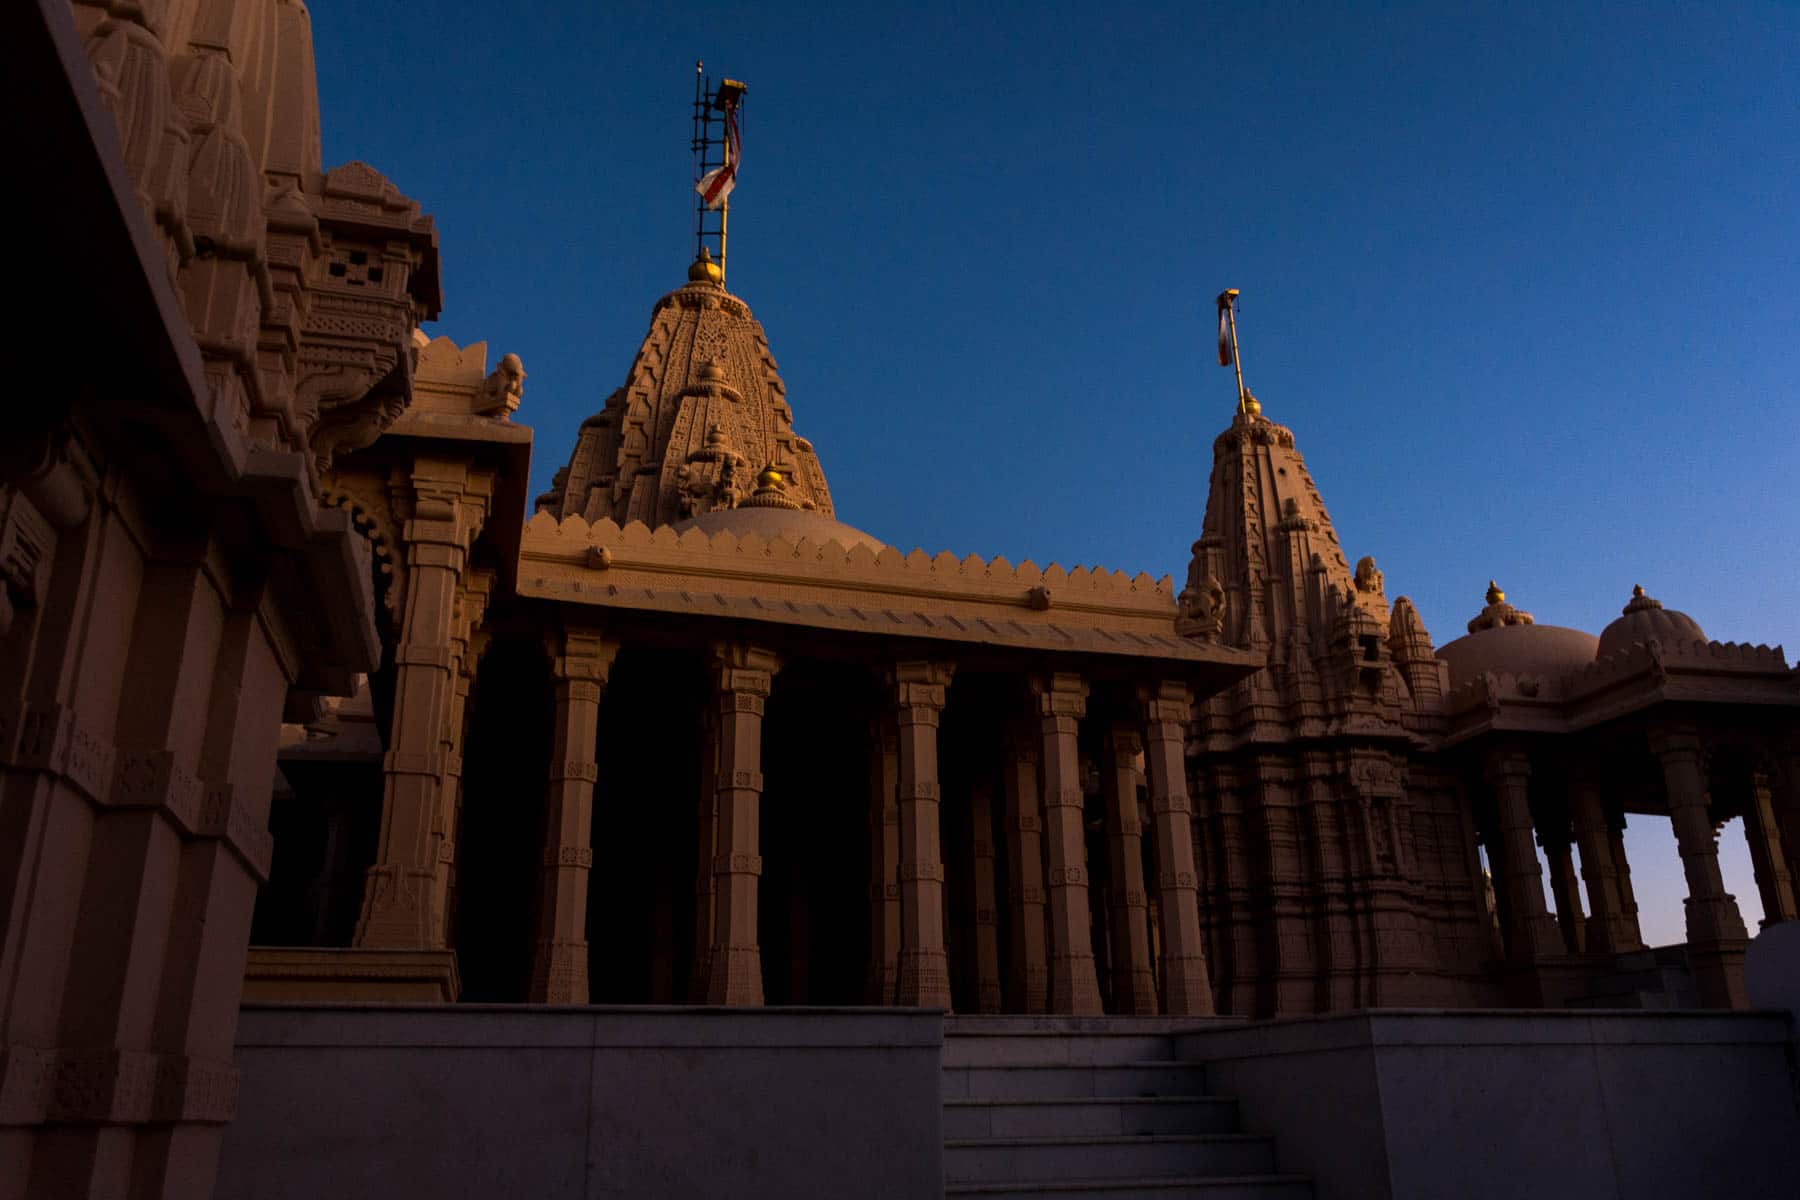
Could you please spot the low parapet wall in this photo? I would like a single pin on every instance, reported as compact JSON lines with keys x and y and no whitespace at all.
{"x":1419,"y":1105}
{"x":397,"y":1101}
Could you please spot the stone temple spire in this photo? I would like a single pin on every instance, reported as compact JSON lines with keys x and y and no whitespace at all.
{"x":702,"y":416}
{"x":1267,"y":551}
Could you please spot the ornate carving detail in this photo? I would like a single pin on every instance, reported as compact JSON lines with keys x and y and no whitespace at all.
{"x":502,"y":390}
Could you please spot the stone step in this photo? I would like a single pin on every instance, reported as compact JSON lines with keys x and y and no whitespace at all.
{"x":1210,"y":1187}
{"x":1056,"y":1082}
{"x":1019,"y":1023}
{"x":1049,"y":1049}
{"x":964,"y":1119}
{"x":1149,"y":1156}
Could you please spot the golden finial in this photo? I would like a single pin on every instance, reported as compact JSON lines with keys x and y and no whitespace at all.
{"x":1252,"y":405}
{"x":1494,"y":594}
{"x":770,"y":477}
{"x":1637,"y":589}
{"x":705,"y":270}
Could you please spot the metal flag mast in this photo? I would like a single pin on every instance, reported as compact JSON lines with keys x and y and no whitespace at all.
{"x":716,"y":154}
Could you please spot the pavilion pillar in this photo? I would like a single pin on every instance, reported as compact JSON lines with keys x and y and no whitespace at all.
{"x":706,"y":847}
{"x":884,"y":860}
{"x":1609,"y":930}
{"x":580,"y":660}
{"x":466,"y":647}
{"x":1531,"y":935}
{"x":1715,"y":928}
{"x":742,"y":678}
{"x":401,"y":892}
{"x":924,"y":976}
{"x":1785,"y":800}
{"x":1767,"y":856}
{"x":1133,"y":979}
{"x":1074,"y":987}
{"x":1030,"y":965}
{"x":1615,"y":840}
{"x":1187,"y":990}
{"x":1565,"y":890}
{"x":987,"y":934}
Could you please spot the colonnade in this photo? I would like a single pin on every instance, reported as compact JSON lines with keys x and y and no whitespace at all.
{"x":1716,"y":936}
{"x":1050,"y":950}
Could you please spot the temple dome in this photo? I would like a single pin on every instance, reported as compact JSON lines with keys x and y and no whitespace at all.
{"x":1646,"y":620}
{"x":1505,"y":640}
{"x":790,"y":523}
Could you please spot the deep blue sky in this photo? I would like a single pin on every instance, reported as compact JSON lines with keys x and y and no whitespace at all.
{"x":1526,"y":285}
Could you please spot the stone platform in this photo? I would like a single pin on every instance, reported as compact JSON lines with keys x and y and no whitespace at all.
{"x":578,"y":1102}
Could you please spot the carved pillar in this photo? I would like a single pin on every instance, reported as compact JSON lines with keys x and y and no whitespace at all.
{"x":1567,"y":893}
{"x":924,"y":977}
{"x":398,"y":900}
{"x":1715,"y":929}
{"x":742,"y":677}
{"x":987,"y":936}
{"x":1030,"y":965}
{"x":466,"y":646}
{"x":884,"y":860}
{"x":1186,"y":989}
{"x":706,"y":848}
{"x":580,"y":660}
{"x":1767,"y":855}
{"x":1615,"y":839}
{"x":1609,"y":929}
{"x":1074,"y":987}
{"x":1531,"y":935}
{"x":1133,"y":980}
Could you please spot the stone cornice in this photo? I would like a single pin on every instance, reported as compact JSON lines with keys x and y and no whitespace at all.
{"x":831,"y":586}
{"x":1633,"y":680}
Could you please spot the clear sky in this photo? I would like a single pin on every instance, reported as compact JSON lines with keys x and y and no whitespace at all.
{"x":1524,"y":280}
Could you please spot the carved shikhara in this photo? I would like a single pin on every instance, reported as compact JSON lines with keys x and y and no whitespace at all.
{"x":702,"y":412}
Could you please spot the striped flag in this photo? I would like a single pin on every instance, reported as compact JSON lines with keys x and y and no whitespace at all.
{"x":715,"y":186}
{"x":1226,"y":349}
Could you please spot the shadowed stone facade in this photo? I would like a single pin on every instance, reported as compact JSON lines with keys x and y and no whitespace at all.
{"x":285,"y":660}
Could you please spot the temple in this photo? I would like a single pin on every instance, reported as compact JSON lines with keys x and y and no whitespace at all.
{"x":307,"y":705}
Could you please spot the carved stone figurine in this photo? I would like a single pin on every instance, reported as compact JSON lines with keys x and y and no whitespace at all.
{"x":503,"y":389}
{"x":1202,"y":606}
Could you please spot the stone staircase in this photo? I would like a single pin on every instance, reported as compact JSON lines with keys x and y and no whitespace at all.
{"x":1656,"y":978}
{"x":1078,"y":1108}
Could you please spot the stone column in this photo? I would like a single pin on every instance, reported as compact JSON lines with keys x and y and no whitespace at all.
{"x":467,"y":644}
{"x":1715,"y":928}
{"x":924,"y":976}
{"x":1187,"y":990}
{"x":1531,"y":935}
{"x":884,"y":860}
{"x":987,"y":935}
{"x":742,"y":677}
{"x":1133,"y":980}
{"x":1767,"y":855}
{"x":1609,"y":930}
{"x":1074,"y":988}
{"x":1567,"y":893}
{"x":706,"y":847}
{"x":580,"y":660}
{"x":1030,"y":964}
{"x":398,"y":908}
{"x":1615,"y":839}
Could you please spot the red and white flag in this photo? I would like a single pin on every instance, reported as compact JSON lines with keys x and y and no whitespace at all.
{"x":1226,"y":348}
{"x":715,"y":186}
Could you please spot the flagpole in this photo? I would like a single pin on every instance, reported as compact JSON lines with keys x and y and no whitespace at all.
{"x":724,"y":217}
{"x":1237,"y":357}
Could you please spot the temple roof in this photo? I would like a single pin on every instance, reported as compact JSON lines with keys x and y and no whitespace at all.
{"x":701,"y":417}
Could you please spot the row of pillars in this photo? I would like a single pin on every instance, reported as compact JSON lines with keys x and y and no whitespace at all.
{"x":909,"y":964}
{"x":1716,"y":935}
